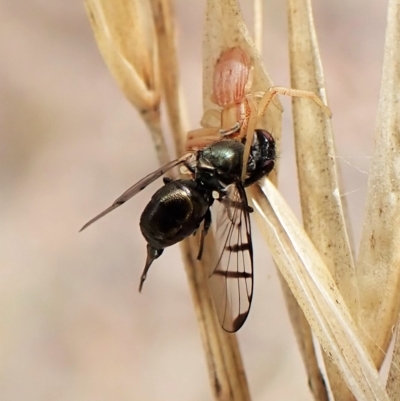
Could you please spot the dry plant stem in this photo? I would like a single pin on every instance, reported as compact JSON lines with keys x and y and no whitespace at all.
{"x":314,"y":288}
{"x":169,"y":72}
{"x":378,"y":267}
{"x":153,"y":121}
{"x":319,"y":190}
{"x":305,"y":342}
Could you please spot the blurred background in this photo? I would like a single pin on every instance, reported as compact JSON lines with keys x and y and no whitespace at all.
{"x":73,"y":325}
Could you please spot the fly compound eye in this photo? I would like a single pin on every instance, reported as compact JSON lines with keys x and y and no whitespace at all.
{"x":251,"y":164}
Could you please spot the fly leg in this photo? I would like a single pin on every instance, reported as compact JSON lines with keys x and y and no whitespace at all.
{"x":152,"y":255}
{"x":206,"y":227}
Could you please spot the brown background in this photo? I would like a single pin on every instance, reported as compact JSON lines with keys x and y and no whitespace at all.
{"x":73,"y":326}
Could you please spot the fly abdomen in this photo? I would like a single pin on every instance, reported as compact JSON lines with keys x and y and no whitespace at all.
{"x":174,"y":212}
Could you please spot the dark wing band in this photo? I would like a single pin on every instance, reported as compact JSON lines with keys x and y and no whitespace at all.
{"x":231,"y":279}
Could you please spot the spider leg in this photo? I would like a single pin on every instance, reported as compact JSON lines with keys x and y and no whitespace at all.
{"x":210,"y":116}
{"x":259,"y":95}
{"x":199,"y":138}
{"x":274,"y":90}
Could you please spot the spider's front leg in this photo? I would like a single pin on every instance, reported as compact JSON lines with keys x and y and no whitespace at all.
{"x":201,"y":137}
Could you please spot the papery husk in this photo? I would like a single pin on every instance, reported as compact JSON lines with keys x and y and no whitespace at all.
{"x":316,"y":292}
{"x":126,"y":37}
{"x":323,"y":217}
{"x":378,"y":265}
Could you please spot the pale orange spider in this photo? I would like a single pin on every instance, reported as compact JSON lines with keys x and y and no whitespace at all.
{"x":232,"y":83}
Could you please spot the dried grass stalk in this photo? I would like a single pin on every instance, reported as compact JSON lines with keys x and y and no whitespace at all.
{"x":305,"y":343}
{"x":378,"y":267}
{"x":318,"y":182}
{"x":169,"y":71}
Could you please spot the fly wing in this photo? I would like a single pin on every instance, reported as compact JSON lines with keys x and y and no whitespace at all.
{"x":142,"y":184}
{"x":231,"y":278}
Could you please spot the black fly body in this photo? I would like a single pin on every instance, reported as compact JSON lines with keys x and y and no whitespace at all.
{"x":181,"y":206}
